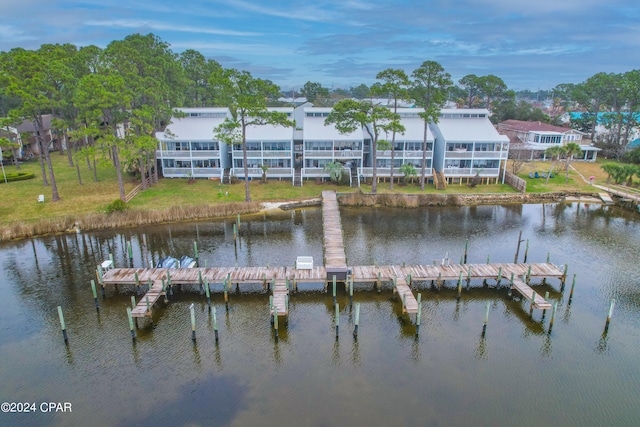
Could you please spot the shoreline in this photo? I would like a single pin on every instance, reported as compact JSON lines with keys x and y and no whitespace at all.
{"x":97,"y":221}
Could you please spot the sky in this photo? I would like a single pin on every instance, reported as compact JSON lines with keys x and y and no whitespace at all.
{"x":532,"y":44}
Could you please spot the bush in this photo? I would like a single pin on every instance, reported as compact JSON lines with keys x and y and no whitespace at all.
{"x":17,"y":176}
{"x":116,"y":206}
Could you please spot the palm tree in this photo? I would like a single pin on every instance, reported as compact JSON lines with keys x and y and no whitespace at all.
{"x":570,"y":150}
{"x":554,"y":153}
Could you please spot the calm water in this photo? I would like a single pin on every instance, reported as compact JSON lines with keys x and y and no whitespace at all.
{"x":517,"y":375}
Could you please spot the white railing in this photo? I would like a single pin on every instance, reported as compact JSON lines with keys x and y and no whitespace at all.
{"x":207,"y":172}
{"x":470,"y":171}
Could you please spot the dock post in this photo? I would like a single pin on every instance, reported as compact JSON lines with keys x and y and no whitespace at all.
{"x":133,"y":302}
{"x":195,"y":253}
{"x":113,"y":263}
{"x":526,"y":252}
{"x":337,"y":319}
{"x":486,"y":319}
{"x":515,"y":259}
{"x":295,"y":284}
{"x":226,"y":293}
{"x":275,"y":321}
{"x":264,"y":281}
{"x":207,"y":292}
{"x":146,"y":298}
{"x":418,"y":314}
{"x":573,"y":285}
{"x":553,"y":315}
{"x":466,"y":247}
{"x":378,"y":283}
{"x":286,"y":304}
{"x":193,"y":322}
{"x":548,"y":257}
{"x":528,"y":275}
{"x":533,"y":302}
{"x":131,"y":328}
{"x":200,"y":280}
{"x":546,"y":298}
{"x":606,"y":326}
{"x":95,"y":294}
{"x":459,"y":286}
{"x":137,"y":279}
{"x":130,"y":253}
{"x":489,"y":259}
{"x":238,"y":222}
{"x":235,"y":232}
{"x":62,"y":325}
{"x":563,"y":278}
{"x":404,"y":303}
{"x":461,"y":259}
{"x":469,"y":278}
{"x":499,"y":277}
{"x":439,"y":281}
{"x":350,"y":281}
{"x":164,"y":290}
{"x":334,"y":288}
{"x":271,"y":310}
{"x":510,"y":287}
{"x":355,"y":330}
{"x":215,"y":323}
{"x":150,"y":283}
{"x":409,"y":280}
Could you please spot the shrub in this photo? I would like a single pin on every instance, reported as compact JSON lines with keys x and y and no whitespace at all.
{"x":116,"y":206}
{"x":17,"y":176}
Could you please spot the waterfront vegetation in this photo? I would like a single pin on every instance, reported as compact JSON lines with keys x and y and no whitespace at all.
{"x":21,"y":214}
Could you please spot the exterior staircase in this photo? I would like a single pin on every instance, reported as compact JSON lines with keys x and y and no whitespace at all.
{"x":439,"y":180}
{"x":297,"y":177}
{"x":355,"y":181}
{"x":226,"y":176}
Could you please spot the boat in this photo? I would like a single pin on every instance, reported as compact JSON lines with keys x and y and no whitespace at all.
{"x":187,"y":262}
{"x":171,"y":262}
{"x":168,"y":262}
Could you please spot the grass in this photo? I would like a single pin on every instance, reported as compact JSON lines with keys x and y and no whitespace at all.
{"x":176,"y":199}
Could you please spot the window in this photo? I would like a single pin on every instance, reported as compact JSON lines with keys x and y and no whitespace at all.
{"x":318,"y":145}
{"x":277,"y":145}
{"x":201,"y":146}
{"x":316,"y":163}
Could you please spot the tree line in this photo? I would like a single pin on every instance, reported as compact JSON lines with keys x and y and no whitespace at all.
{"x":109,"y":103}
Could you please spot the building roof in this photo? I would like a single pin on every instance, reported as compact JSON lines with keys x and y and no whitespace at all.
{"x":193,"y":128}
{"x":539,"y":127}
{"x":469,"y":129}
{"x":315,"y":129}
{"x":414,"y":130}
{"x":28,"y":126}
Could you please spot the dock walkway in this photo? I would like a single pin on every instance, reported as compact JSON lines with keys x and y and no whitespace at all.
{"x":334,"y":256}
{"x":526,"y":291}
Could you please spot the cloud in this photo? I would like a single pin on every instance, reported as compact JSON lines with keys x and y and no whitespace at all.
{"x":139,"y":24}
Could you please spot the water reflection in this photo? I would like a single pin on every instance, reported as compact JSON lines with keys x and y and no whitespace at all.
{"x":175,"y":375}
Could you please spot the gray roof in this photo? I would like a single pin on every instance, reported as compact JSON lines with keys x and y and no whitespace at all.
{"x":470,"y":130}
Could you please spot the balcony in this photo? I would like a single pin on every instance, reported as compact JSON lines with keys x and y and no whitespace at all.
{"x":470,"y":171}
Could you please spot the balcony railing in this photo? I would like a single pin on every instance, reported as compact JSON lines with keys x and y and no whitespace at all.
{"x":283,"y":154}
{"x":399,"y":154}
{"x":175,"y":154}
{"x":471,"y":171}
{"x":271,"y":173}
{"x":336,"y":154}
{"x":473,"y":154}
{"x":195,"y":172}
{"x":386,"y":172}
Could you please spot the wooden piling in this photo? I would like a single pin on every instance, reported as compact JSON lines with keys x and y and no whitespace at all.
{"x":137,"y":279}
{"x":510,"y":286}
{"x":63,"y":326}
{"x":95,"y":294}
{"x":235,"y":232}
{"x":146,"y":297}
{"x":439,"y":281}
{"x":271,"y":310}
{"x":378,"y":284}
{"x":528,"y":275}
{"x":466,"y":247}
{"x":515,"y":259}
{"x":526,"y":252}
{"x":544,"y":310}
{"x":553,"y":316}
{"x":337,"y":319}
{"x":113,"y":263}
{"x":606,"y":326}
{"x":489,"y":259}
{"x":419,"y":314}
{"x":133,"y":302}
{"x":207,"y":292}
{"x":486,"y":319}
{"x":164,"y":291}
{"x":195,"y":253}
{"x":193,"y":321}
{"x":226,"y":292}
{"x":459,"y":286}
{"x":149,"y":283}
{"x":334,"y":288}
{"x":499,"y":277}
{"x":469,"y":277}
{"x":275,"y":321}
{"x":573,"y":285}
{"x":131,"y":327}
{"x":130,"y":253}
{"x":548,"y":257}
{"x":350,"y":281}
{"x":533,"y":303}
{"x":355,"y":330}
{"x":215,"y":323}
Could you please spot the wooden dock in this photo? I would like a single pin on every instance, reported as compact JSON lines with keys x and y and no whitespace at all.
{"x":160,"y":280}
{"x":526,"y":291}
{"x":606,"y":198}
{"x":334,"y":256}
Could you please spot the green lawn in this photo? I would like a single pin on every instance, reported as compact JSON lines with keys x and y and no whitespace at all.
{"x":18,"y":200}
